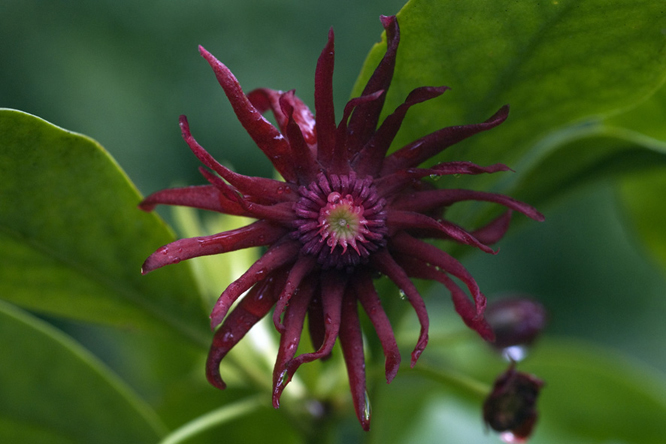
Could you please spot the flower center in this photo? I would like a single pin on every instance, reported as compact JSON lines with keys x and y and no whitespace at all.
{"x":341,"y":220}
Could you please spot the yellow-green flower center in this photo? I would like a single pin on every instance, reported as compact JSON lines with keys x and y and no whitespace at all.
{"x":341,"y":222}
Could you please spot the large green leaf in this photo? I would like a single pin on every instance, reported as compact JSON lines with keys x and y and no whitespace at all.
{"x":54,"y":391}
{"x":554,"y":62}
{"x":72,"y":239}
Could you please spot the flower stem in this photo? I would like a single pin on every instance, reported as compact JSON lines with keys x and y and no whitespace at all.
{"x":214,"y":419}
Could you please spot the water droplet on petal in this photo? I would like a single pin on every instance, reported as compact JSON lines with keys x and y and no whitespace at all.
{"x":367,"y":409}
{"x":282,"y":379}
{"x":402,"y":294}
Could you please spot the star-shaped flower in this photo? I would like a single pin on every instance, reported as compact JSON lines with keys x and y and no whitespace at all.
{"x":345,"y":213}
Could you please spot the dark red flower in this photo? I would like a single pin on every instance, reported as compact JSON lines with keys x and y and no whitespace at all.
{"x":511,"y":406}
{"x":345,"y":212}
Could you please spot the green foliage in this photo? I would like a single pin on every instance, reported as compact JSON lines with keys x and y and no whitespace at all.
{"x":54,"y":391}
{"x":72,"y":239}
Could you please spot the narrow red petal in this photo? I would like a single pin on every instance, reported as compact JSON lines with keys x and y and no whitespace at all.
{"x":265,"y":135}
{"x":278,"y":255}
{"x":367,"y":295}
{"x":263,"y":189}
{"x":305,"y":165}
{"x":316,"y":321}
{"x":370,"y":158}
{"x":324,"y":110}
{"x":351,"y":341}
{"x":304,"y":264}
{"x":405,"y":244}
{"x":264,"y":99}
{"x":249,"y":311}
{"x":259,"y":233}
{"x":333,"y":287}
{"x":431,"y":199}
{"x":418,"y":269}
{"x":204,"y":197}
{"x":494,"y":230}
{"x":385,"y":264}
{"x":397,"y":219}
{"x":400,"y":179}
{"x":363,"y":122}
{"x":426,"y":147}
{"x":294,"y":317}
{"x":341,"y":154}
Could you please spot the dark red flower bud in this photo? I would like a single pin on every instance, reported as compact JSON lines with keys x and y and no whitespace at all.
{"x":511,"y":407}
{"x":515,"y":321}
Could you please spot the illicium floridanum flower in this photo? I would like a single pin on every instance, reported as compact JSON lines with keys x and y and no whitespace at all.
{"x":345,"y":213}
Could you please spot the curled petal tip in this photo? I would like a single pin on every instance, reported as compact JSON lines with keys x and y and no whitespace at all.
{"x":391,"y":370}
{"x":387,"y":20}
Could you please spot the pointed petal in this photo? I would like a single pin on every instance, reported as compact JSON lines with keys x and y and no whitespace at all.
{"x":341,"y":154}
{"x":384,"y":263}
{"x":278,"y":255}
{"x":426,"y":147}
{"x":494,"y":230}
{"x":400,"y":179}
{"x":249,"y":311}
{"x":294,"y":317}
{"x":431,"y":199}
{"x":265,"y":135}
{"x":351,"y":341}
{"x":332,"y":290}
{"x":305,"y":165}
{"x":418,"y":269}
{"x":324,"y":103}
{"x":370,"y":158}
{"x":367,"y":295}
{"x":204,"y":197}
{"x":259,"y":233}
{"x":397,"y":219}
{"x":316,"y":321}
{"x":282,"y":213}
{"x":363,"y":122}
{"x":405,"y":244}
{"x":264,"y":99}
{"x":266,"y":190}
{"x":304,"y":264}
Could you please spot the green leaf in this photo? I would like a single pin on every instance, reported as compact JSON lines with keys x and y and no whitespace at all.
{"x":54,"y":391}
{"x":555,"y":62}
{"x":643,"y":195}
{"x":583,"y":154}
{"x":643,"y":198}
{"x":72,"y":240}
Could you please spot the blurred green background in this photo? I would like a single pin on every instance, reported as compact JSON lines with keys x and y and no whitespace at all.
{"x":122,"y":72}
